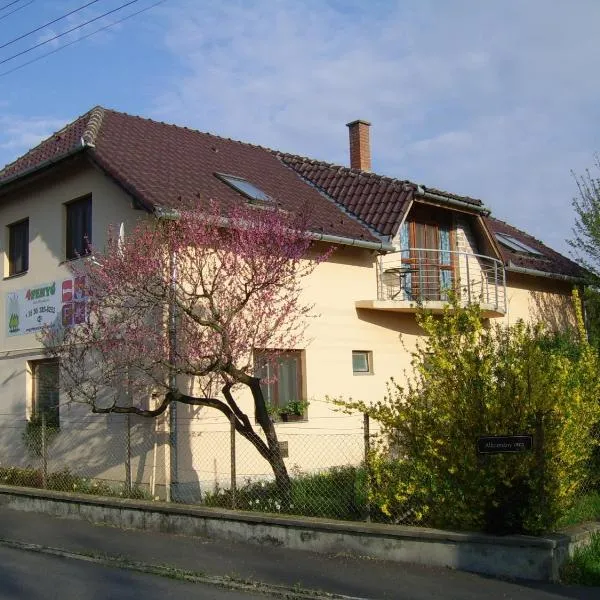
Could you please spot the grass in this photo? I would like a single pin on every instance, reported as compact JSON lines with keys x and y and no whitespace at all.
{"x":337,"y":493}
{"x":587,"y":508}
{"x":584,"y":567}
{"x":65,"y":481}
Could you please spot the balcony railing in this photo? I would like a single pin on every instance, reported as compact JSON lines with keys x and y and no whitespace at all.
{"x":426,"y":276}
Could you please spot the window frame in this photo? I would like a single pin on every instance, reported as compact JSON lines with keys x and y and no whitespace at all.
{"x":84,"y":222}
{"x":267,"y":358}
{"x":369,"y":357}
{"x":512,"y":243}
{"x":261,"y":198}
{"x":11,"y":247}
{"x":52,"y":411}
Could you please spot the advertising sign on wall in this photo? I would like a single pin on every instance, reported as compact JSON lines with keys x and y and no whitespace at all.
{"x":29,"y":310}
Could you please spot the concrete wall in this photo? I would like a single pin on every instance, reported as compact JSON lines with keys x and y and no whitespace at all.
{"x":515,"y":557}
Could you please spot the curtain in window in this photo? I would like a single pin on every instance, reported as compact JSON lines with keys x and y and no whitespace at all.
{"x":445,"y":260}
{"x":405,"y":258}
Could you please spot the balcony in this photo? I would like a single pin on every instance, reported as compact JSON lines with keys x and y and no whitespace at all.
{"x":423,"y":277}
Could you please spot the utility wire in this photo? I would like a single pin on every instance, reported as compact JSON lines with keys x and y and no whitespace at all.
{"x":59,"y":35}
{"x":9,"y":4}
{"x":47,"y":24}
{"x":80,"y":39}
{"x":15,"y":10}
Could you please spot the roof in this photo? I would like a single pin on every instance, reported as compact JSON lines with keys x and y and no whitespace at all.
{"x":550,"y":261}
{"x":379,"y":202}
{"x":376,"y":200}
{"x":165,"y":166}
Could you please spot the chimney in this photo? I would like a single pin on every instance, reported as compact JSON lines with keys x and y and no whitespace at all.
{"x":360,"y":145}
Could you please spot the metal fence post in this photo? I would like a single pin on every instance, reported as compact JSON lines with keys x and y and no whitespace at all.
{"x":233,"y":465}
{"x":128,"y":453}
{"x":44,"y":453}
{"x":367,"y":444}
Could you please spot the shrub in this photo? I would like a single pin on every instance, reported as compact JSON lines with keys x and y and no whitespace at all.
{"x":584,"y":567}
{"x":472,"y":379}
{"x":337,"y":493}
{"x":65,"y":481}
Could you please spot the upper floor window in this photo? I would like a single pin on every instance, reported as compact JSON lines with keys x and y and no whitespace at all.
{"x":18,"y":247}
{"x":79,"y":227}
{"x":245,"y":187}
{"x":516,"y":245}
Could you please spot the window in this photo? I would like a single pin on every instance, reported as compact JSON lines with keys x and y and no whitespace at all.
{"x":245,"y":187}
{"x":18,"y":247}
{"x":281,"y":383}
{"x":44,"y":374}
{"x":516,"y":245}
{"x":79,"y":227}
{"x":362,"y":362}
{"x":428,"y":245}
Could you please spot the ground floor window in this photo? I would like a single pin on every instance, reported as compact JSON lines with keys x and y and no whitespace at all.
{"x":45,"y":391}
{"x":282,"y":382}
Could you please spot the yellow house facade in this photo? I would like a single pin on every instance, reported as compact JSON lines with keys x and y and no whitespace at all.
{"x":396,"y":244}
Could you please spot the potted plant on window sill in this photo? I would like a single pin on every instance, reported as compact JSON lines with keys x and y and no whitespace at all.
{"x":289,"y":412}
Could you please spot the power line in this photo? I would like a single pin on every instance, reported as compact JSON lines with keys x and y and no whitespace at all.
{"x":4,"y":16}
{"x":59,"y":35}
{"x":80,"y":39}
{"x":9,"y":4}
{"x":47,"y":24}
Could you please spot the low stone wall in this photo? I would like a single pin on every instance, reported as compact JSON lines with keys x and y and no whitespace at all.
{"x":523,"y":557}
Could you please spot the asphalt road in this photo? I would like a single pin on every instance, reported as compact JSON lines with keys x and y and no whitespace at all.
{"x":29,"y":575}
{"x":26,"y":574}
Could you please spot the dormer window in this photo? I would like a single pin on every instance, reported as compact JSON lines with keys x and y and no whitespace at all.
{"x":516,"y":245}
{"x":253,"y":193}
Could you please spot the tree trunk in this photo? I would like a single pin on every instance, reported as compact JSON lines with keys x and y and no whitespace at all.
{"x":275,"y":459}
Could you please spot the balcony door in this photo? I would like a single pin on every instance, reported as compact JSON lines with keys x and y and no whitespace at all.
{"x":427,"y":241}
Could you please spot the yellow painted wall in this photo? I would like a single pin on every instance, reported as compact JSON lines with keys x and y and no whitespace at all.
{"x":96,"y":445}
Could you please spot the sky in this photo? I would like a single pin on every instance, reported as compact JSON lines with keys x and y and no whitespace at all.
{"x":498,"y":100}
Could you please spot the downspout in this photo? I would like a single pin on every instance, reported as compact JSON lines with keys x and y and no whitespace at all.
{"x":171,"y":489}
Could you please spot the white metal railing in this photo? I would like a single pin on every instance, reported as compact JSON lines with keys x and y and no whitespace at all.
{"x":423,"y":274}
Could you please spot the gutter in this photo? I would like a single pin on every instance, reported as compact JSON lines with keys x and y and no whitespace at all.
{"x":421,"y":193}
{"x":170,"y":214}
{"x":346,"y":241}
{"x":45,"y":164}
{"x":511,"y":267}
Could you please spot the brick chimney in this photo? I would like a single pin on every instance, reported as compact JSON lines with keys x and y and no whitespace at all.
{"x":360,"y":145}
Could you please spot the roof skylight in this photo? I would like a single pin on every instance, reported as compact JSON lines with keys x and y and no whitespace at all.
{"x":516,"y":245}
{"x":245,"y":187}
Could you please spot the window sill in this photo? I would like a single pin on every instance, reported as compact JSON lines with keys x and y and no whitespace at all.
{"x":15,"y":276}
{"x":362,"y":374}
{"x":290,"y":421}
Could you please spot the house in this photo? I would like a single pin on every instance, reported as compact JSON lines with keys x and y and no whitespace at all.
{"x":397,"y":244}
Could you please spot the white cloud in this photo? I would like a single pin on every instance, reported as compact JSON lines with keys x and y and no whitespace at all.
{"x":496,"y":100}
{"x":18,"y":134}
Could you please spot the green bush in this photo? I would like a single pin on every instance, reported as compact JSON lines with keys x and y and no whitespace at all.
{"x":584,"y":567}
{"x":471,"y":379}
{"x":65,"y":481}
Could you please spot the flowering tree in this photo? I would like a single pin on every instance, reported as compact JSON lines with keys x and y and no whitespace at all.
{"x":175,"y":310}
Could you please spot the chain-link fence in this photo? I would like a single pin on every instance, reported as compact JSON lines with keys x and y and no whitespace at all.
{"x":205,"y":461}
{"x":201,"y":461}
